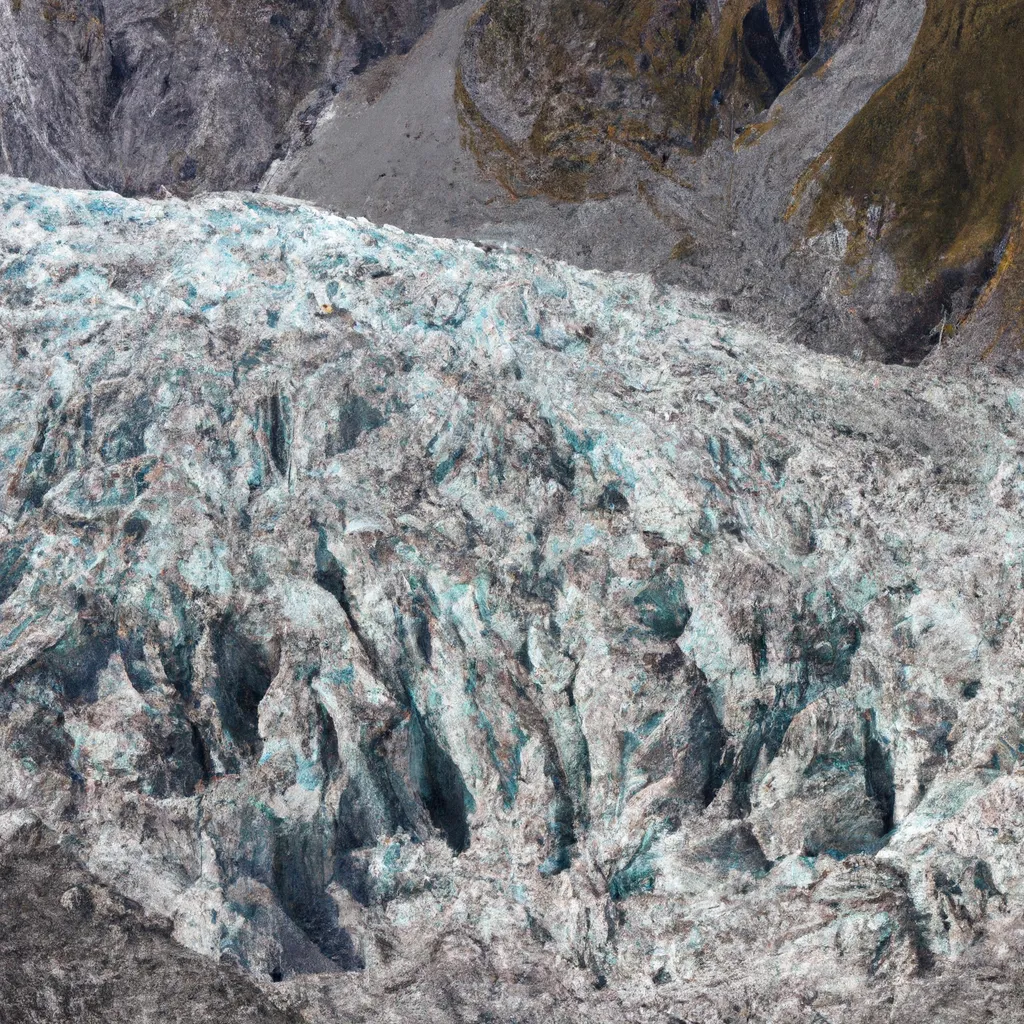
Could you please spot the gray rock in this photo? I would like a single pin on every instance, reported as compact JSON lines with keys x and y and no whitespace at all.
{"x":139,"y":95}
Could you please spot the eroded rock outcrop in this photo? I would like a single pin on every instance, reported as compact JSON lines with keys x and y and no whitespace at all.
{"x":553,"y":94}
{"x":187,"y":95}
{"x":444,"y":632}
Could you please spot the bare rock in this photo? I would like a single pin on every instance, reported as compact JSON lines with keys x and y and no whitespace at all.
{"x":184,"y":97}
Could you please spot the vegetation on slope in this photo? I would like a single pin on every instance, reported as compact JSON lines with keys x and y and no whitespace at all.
{"x":652,"y":77}
{"x":934,"y":163}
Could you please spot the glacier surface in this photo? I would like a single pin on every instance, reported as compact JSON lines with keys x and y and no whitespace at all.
{"x":440,"y":632}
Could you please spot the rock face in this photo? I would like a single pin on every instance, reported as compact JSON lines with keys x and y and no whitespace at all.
{"x":445,"y":633}
{"x":187,"y":95}
{"x":555,"y":92}
{"x":933,"y":222}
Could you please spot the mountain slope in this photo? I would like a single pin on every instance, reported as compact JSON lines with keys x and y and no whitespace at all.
{"x":926,"y":178}
{"x":186,"y":95}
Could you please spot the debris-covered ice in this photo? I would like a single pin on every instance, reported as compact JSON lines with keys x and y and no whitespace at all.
{"x":446,"y":633}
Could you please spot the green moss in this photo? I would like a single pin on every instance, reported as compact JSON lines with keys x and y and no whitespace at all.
{"x":933,"y":163}
{"x":1005,"y":292}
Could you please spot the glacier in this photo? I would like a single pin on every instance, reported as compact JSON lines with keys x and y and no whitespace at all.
{"x":435,"y":631}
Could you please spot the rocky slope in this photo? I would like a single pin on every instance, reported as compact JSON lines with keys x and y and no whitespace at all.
{"x":925,"y":181}
{"x":558,"y":91}
{"x":916,"y":196}
{"x":442,"y":633}
{"x":845,"y":169}
{"x":184,"y":95}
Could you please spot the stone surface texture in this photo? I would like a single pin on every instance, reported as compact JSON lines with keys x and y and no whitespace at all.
{"x":182,"y":95}
{"x":437,"y":632}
